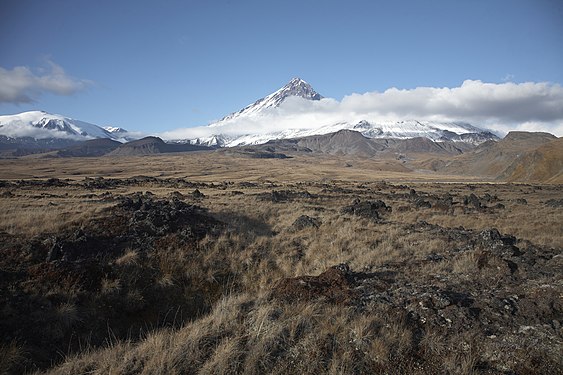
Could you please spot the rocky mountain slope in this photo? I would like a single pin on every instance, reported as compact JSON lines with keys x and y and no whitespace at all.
{"x":351,"y":142}
{"x":13,"y":147}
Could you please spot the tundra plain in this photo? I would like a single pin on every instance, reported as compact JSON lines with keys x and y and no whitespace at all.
{"x":211,"y":263}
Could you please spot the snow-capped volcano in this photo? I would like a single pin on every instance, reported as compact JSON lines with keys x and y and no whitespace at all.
{"x":43,"y":125}
{"x":264,"y":120}
{"x":295,"y":87}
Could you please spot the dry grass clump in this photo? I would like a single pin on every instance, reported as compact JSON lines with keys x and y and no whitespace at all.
{"x":12,"y":357}
{"x":22,"y":216}
{"x":253,"y":336}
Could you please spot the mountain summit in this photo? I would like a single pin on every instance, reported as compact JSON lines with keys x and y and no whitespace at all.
{"x":295,"y":87}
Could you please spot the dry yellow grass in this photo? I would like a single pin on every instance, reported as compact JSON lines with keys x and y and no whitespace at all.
{"x":246,"y":331}
{"x":31,"y":217}
{"x":217,"y":167}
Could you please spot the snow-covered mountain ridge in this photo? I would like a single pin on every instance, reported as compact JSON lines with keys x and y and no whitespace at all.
{"x":457,"y":132}
{"x":43,"y":125}
{"x":222,"y":133}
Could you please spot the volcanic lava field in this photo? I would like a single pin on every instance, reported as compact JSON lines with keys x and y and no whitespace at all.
{"x":209,"y":264}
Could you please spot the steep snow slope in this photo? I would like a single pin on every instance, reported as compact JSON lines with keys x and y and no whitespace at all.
{"x":295,"y":87}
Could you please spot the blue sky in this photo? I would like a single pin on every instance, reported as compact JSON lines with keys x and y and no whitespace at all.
{"x":154,"y":66}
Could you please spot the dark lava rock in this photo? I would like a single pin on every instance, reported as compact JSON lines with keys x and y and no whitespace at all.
{"x":472,"y":200}
{"x":4,"y":184}
{"x":177,"y":195}
{"x":555,"y":203}
{"x":367,"y":209}
{"x":278,"y":196}
{"x":435,"y":257}
{"x":504,"y":246}
{"x":445,"y":203}
{"x":422,"y":203}
{"x":137,"y":221}
{"x":55,"y":182}
{"x":246,"y":184}
{"x":99,"y":183}
{"x":197,"y":194}
{"x":152,"y":217}
{"x":489,"y":198}
{"x":305,"y":221}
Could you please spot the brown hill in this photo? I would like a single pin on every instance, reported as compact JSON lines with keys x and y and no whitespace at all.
{"x":343,"y":142}
{"x":544,"y":164}
{"x":93,"y":147}
{"x":491,"y":159}
{"x":153,"y":145}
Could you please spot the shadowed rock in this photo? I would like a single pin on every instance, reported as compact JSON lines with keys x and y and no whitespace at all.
{"x":305,"y":221}
{"x":197,"y":194}
{"x":555,"y":203}
{"x":473,"y":201}
{"x":369,"y":210}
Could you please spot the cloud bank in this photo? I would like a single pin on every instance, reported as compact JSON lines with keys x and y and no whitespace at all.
{"x":18,"y":130}
{"x":503,"y":107}
{"x":21,"y":85}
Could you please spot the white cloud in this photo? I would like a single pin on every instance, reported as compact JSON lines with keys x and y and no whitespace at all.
{"x":22,"y":85}
{"x":17,"y":130}
{"x":498,"y":107}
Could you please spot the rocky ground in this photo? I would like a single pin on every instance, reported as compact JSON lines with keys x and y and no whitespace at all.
{"x":161,"y":254}
{"x":506,"y":298}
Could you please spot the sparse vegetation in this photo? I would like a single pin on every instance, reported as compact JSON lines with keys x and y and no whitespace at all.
{"x":131,"y":275}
